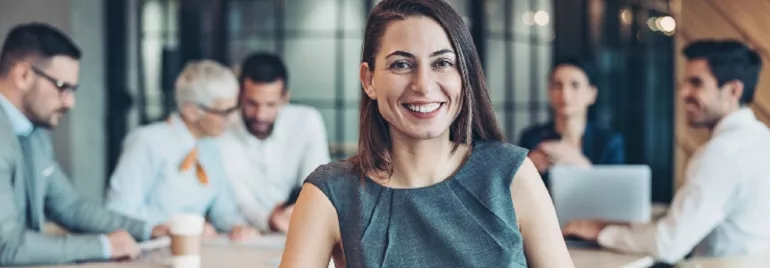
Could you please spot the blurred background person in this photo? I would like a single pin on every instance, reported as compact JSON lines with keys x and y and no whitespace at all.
{"x":569,"y":138}
{"x":721,"y":209}
{"x":39,"y":70}
{"x":273,"y":146}
{"x":174,"y":166}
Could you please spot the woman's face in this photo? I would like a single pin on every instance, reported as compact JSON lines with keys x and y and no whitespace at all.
{"x":415,"y":82}
{"x":570,"y":91}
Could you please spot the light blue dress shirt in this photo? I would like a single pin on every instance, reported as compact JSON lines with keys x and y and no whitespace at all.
{"x":19,"y":122}
{"x":23,"y":127}
{"x":148,"y":184}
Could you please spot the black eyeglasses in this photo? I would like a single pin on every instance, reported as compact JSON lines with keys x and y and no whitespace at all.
{"x":61,"y":85}
{"x":222,"y":113}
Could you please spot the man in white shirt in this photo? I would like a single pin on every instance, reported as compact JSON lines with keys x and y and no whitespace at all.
{"x":273,"y":146}
{"x":722,"y":207}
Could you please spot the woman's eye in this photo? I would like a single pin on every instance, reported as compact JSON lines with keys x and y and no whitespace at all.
{"x":400,"y":65}
{"x":443,"y":64}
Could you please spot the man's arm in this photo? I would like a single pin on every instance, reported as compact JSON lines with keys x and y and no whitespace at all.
{"x":316,"y":148}
{"x":701,"y":204}
{"x":232,"y":148}
{"x":65,"y":206}
{"x":250,"y":210}
{"x":21,"y":246}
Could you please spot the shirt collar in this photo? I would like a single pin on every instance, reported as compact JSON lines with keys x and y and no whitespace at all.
{"x":741,"y":117}
{"x":19,"y":122}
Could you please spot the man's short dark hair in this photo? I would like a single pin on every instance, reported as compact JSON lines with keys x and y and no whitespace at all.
{"x":38,"y":41}
{"x":584,"y":65}
{"x":263,"y":67}
{"x":729,"y":60}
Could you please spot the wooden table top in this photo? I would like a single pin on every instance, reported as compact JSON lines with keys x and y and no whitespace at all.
{"x":249,"y":257}
{"x":734,"y":262}
{"x":601,"y":258}
{"x":231,"y":257}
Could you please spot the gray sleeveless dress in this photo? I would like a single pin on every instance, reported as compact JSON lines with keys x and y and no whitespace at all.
{"x":466,"y":220}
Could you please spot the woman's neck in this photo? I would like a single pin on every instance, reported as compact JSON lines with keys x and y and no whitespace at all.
{"x":419,"y":163}
{"x":571,"y":128}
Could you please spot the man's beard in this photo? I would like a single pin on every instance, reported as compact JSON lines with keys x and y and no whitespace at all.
{"x":49,"y":122}
{"x":261,"y":134}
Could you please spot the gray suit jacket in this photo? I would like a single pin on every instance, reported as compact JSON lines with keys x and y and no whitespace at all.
{"x":25,"y":204}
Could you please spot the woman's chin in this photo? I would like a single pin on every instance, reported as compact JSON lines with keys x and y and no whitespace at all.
{"x":425,"y":134}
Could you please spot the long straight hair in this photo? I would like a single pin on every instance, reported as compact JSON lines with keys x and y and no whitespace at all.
{"x":476,"y":120}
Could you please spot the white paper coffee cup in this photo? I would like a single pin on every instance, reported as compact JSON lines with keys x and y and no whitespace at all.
{"x":186,"y":231}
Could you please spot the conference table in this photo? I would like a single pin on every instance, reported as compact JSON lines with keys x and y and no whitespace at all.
{"x":266,"y":253}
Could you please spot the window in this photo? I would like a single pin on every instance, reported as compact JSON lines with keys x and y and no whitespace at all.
{"x":320,"y":41}
{"x":518,"y":59}
{"x":158,"y":39}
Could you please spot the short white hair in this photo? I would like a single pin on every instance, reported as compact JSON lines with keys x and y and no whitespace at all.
{"x":204,"y":82}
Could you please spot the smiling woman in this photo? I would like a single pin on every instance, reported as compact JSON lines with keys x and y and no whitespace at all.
{"x":433,"y":183}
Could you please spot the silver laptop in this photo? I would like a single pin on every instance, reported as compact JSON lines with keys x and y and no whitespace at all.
{"x":612,"y":192}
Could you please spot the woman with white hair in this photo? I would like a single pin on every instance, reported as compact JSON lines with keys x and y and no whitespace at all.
{"x":173,"y":166}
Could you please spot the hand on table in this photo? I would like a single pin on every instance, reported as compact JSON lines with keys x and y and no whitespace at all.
{"x":123,"y":245}
{"x":209,"y":230}
{"x":160,"y":230}
{"x":563,"y":153}
{"x":243,"y":233}
{"x":585,"y":229}
{"x":280,"y":218}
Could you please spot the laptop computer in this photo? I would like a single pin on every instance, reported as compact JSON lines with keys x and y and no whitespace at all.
{"x":611,"y":192}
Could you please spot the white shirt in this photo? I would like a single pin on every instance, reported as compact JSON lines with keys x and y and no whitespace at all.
{"x":264,"y":172}
{"x":722,"y":207}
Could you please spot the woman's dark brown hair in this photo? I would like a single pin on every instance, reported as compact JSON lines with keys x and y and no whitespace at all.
{"x":476,"y":120}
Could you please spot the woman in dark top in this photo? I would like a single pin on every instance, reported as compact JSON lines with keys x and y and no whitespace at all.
{"x":433,"y":184}
{"x":569,"y":138}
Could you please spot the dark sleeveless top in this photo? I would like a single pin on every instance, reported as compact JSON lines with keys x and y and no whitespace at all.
{"x":466,"y":220}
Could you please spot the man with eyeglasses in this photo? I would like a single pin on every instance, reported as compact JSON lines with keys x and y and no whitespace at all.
{"x":173,"y":166}
{"x":39,"y":68}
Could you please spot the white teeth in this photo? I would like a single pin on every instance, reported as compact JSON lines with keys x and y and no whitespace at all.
{"x":424,"y":108}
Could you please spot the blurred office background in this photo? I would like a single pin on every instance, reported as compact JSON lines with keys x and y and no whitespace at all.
{"x":135,"y":48}
{"x":518,"y":40}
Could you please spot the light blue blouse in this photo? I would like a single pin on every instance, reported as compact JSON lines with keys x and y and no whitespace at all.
{"x":148,"y":184}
